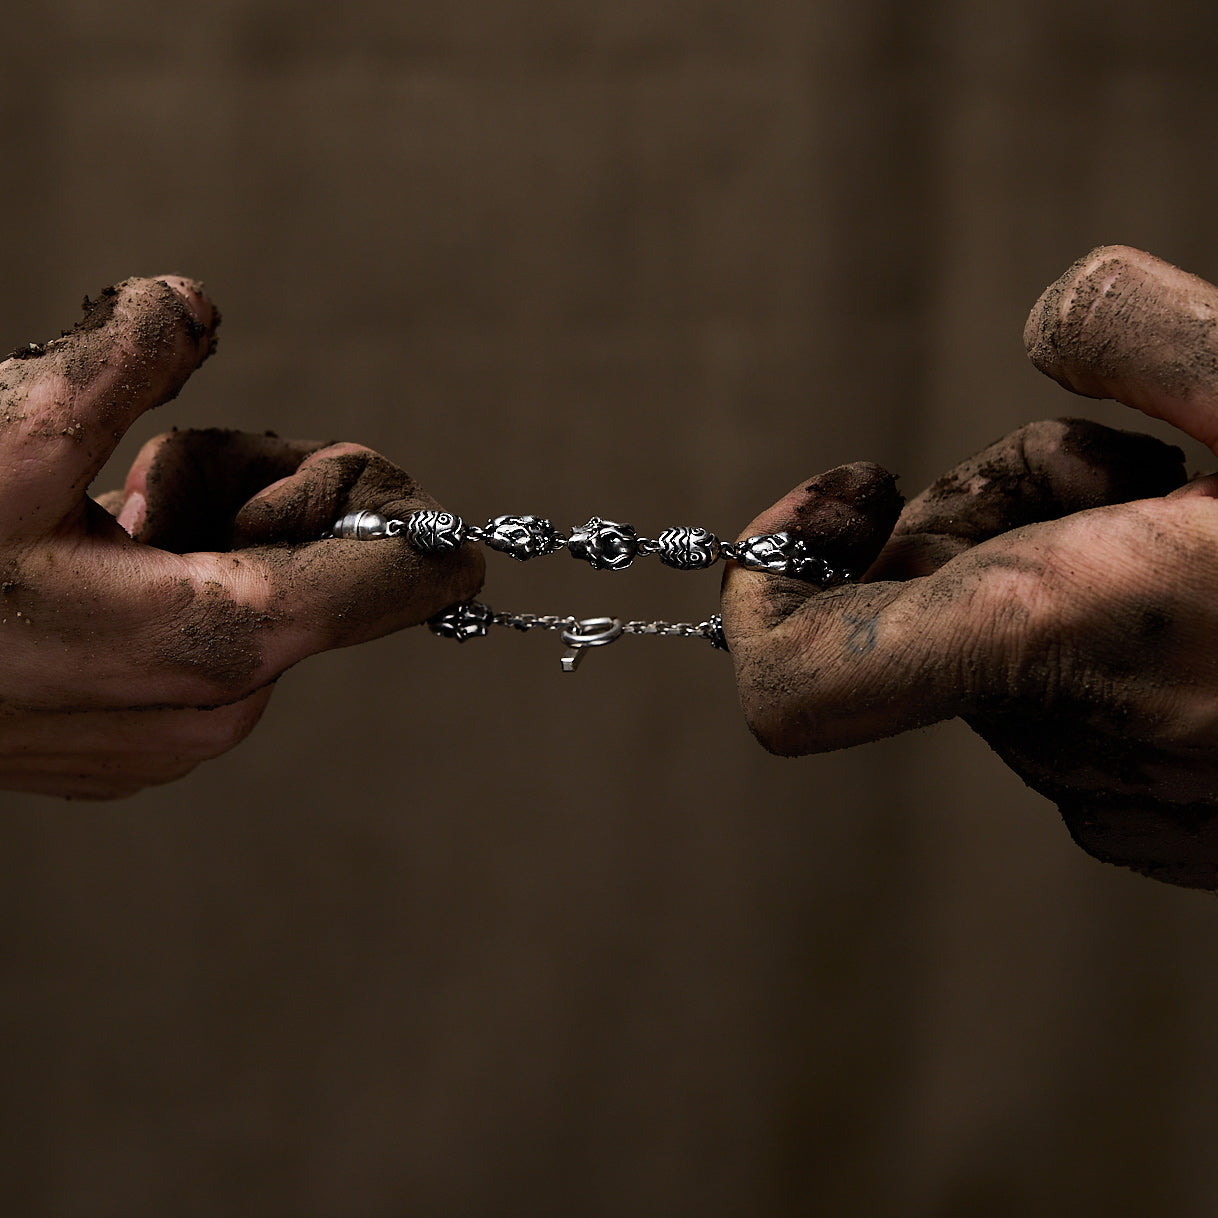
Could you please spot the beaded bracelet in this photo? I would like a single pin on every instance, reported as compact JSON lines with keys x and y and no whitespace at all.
{"x":605,"y":545}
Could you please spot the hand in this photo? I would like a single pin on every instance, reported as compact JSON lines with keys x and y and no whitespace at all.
{"x":1059,"y":591}
{"x":136,"y":647}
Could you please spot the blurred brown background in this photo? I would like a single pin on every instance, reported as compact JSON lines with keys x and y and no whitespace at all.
{"x":453,"y":934}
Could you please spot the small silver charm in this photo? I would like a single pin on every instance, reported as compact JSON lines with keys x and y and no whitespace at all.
{"x":468,"y":620}
{"x":782,"y":554}
{"x":435,"y":532}
{"x":523,"y":537}
{"x":604,"y":544}
{"x":687,"y":548}
{"x":361,"y":526}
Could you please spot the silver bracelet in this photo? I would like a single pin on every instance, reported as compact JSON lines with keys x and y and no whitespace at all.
{"x":605,"y":545}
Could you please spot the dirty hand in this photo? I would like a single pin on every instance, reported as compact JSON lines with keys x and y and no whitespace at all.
{"x":135,"y":650}
{"x":1059,"y":591}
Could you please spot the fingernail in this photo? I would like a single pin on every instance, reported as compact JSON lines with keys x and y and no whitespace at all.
{"x":135,"y":508}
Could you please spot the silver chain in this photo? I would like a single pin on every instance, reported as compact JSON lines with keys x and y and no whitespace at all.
{"x":604,"y":545}
{"x":551,"y":621}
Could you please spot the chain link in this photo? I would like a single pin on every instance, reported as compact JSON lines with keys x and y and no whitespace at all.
{"x":552,"y":621}
{"x":533,"y":621}
{"x":604,"y":545}
{"x":683,"y":630}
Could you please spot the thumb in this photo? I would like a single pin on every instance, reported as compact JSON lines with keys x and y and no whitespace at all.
{"x":844,"y":516}
{"x":824,"y":669}
{"x":1123,"y":324}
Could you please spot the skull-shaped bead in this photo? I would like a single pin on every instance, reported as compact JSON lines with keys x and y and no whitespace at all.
{"x":469,"y":620}
{"x":783,"y":555}
{"x":522,"y":537}
{"x":604,"y":545}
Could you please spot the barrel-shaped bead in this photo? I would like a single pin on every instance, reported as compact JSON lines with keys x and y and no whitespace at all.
{"x":687,"y":548}
{"x":435,"y":532}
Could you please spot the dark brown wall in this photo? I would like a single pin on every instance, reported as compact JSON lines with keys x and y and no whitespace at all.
{"x":455,"y":935}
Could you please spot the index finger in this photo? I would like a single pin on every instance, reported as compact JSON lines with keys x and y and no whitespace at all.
{"x":65,"y":405}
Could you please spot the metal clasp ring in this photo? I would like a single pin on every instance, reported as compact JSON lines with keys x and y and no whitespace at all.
{"x":592,"y":632}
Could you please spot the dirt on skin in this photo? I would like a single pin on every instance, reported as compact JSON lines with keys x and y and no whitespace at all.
{"x":198,"y":488}
{"x":356,"y":589}
{"x":198,"y":481}
{"x":1123,"y":801}
{"x":217,"y":636}
{"x":98,"y":311}
{"x":848,"y":513}
{"x":142,"y":356}
{"x":269,"y":602}
{"x":1058,"y":721}
{"x":135,"y":346}
{"x":1041,"y":472}
{"x":1130,"y":317}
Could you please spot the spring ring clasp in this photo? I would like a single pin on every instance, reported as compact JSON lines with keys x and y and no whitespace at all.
{"x":591,"y":632}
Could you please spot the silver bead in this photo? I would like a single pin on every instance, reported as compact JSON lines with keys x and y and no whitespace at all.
{"x":687,"y":548}
{"x":522,"y":537}
{"x":435,"y":532}
{"x":469,"y":620}
{"x":360,"y":526}
{"x":604,"y":544}
{"x":783,"y":555}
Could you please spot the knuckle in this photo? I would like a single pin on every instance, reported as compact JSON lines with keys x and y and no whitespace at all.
{"x":212,"y":642}
{"x":1043,"y":436}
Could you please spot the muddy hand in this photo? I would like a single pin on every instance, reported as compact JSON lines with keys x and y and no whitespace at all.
{"x":136,"y":647}
{"x":1059,"y":590}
